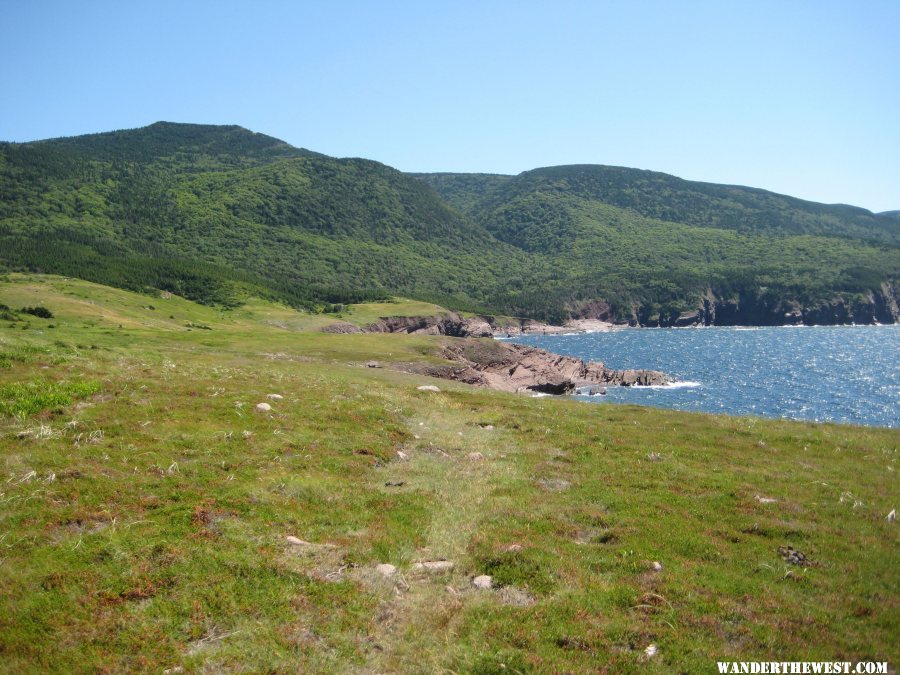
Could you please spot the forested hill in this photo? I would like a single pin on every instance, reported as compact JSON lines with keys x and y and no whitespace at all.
{"x":139,"y":208}
{"x":218,"y":212}
{"x":660,"y":196}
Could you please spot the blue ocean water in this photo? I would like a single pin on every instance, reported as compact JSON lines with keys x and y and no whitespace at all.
{"x":825,"y":373}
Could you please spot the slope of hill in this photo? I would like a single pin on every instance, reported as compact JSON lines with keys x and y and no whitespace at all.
{"x":154,"y":519}
{"x":219,"y":213}
{"x":662,"y":251}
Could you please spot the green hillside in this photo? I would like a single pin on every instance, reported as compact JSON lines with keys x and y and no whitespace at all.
{"x":154,"y":519}
{"x":218,"y":214}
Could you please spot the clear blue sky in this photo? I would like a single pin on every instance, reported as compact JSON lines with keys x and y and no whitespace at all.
{"x":796,"y":97}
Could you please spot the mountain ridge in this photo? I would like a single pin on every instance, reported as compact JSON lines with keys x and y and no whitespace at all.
{"x":220,"y":211}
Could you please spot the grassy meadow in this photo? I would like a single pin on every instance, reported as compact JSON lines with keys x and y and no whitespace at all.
{"x":145,"y":507}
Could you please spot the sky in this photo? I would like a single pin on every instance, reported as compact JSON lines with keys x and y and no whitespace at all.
{"x":801,"y":98}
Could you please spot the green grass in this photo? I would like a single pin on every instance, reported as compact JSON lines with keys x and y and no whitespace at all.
{"x":143,"y":524}
{"x":20,"y":399}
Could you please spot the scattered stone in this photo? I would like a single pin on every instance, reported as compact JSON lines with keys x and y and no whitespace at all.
{"x":656,"y":566}
{"x":295,"y":541}
{"x":554,"y":484}
{"x":402,"y":456}
{"x":263,"y":407}
{"x":654,"y":457}
{"x":247,"y":434}
{"x":386,"y":570}
{"x":486,"y":427}
{"x":512,"y":548}
{"x":765,"y":500}
{"x":274,"y":397}
{"x":892,"y":516}
{"x":794,"y":557}
{"x":475,"y":457}
{"x":483,"y":581}
{"x":434,"y":566}
{"x":651,"y":651}
{"x":428,"y":387}
{"x":373,"y":364}
{"x":395,"y":483}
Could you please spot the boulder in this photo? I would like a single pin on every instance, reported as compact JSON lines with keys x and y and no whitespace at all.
{"x":428,"y":387}
{"x":483,"y":582}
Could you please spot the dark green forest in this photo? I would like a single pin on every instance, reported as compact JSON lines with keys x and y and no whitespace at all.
{"x":218,"y":213}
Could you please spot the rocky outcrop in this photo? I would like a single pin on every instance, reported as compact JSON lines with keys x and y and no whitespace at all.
{"x":451,"y":324}
{"x":455,"y":325}
{"x":341,"y":327}
{"x":517,"y":368}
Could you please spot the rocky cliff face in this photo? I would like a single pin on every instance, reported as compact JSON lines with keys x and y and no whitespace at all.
{"x":878,"y":305}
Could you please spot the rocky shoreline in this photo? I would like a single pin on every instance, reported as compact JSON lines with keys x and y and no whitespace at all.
{"x":517,"y":368}
{"x":512,"y":367}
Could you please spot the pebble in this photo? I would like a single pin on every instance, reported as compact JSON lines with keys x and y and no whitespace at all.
{"x":263,"y":407}
{"x":512,"y":548}
{"x":373,"y":364}
{"x":274,"y":397}
{"x":483,"y":581}
{"x":402,"y":456}
{"x":657,"y":566}
{"x":651,"y":651}
{"x":434,"y":566}
{"x":295,"y":541}
{"x":892,"y":516}
{"x":765,"y":500}
{"x":428,"y":387}
{"x":386,"y":570}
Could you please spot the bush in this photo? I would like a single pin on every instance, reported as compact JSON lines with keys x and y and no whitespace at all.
{"x":38,"y":311}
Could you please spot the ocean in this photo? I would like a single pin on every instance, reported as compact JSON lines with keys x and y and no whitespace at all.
{"x":847,"y":374}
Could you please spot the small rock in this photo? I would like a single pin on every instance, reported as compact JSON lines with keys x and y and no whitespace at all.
{"x":892,"y":516}
{"x":483,"y":581}
{"x":651,"y":651}
{"x":475,"y":457}
{"x":395,"y":483}
{"x":656,"y":566}
{"x":274,"y":397}
{"x":402,"y":456}
{"x":295,"y":541}
{"x":765,"y":500}
{"x":263,"y":407}
{"x":247,"y":434}
{"x":373,"y":364}
{"x":434,"y":566}
{"x":386,"y":570}
{"x":428,"y":387}
{"x":794,"y":557}
{"x":512,"y":548}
